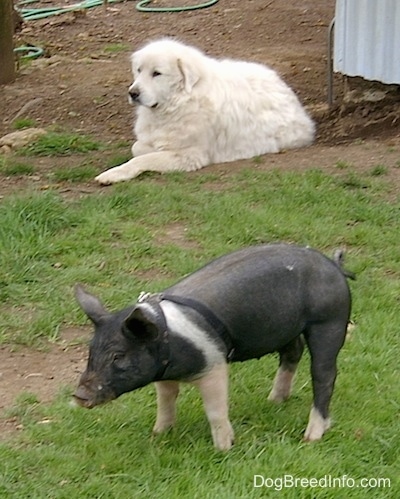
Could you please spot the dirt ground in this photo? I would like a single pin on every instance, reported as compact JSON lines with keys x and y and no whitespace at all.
{"x":81,"y":85}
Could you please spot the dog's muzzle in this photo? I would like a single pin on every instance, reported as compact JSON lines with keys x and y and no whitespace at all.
{"x":134,"y":95}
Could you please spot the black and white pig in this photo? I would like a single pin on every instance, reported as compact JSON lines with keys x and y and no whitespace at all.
{"x":263,"y":299}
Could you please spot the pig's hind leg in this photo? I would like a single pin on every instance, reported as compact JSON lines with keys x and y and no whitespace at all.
{"x":167,"y":393}
{"x":289,"y":357}
{"x":324,"y":342}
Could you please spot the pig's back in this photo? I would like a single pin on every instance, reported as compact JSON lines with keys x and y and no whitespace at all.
{"x":268,"y":290}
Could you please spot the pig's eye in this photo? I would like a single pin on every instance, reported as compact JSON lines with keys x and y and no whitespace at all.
{"x":118,"y":357}
{"x":156,"y":73}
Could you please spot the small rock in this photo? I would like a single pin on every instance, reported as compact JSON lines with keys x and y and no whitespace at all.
{"x":21,"y":138}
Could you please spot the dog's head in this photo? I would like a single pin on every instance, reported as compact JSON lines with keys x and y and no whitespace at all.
{"x":162,"y":70}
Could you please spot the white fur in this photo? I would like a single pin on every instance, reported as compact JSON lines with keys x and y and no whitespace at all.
{"x":214,"y":389}
{"x":181,"y":325}
{"x":212,"y":383}
{"x":194,"y":110}
{"x":282,"y":385}
{"x":317,"y":426}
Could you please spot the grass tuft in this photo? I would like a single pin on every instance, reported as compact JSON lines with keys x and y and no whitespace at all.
{"x":343,"y":165}
{"x":16,"y":168}
{"x":378,"y":170}
{"x":21,"y":123}
{"x":80,"y":173}
{"x":60,"y":144}
{"x":114,"y":48}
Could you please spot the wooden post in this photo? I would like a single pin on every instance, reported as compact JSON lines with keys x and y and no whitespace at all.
{"x":7,"y":60}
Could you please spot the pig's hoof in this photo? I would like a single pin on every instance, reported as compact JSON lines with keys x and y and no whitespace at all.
{"x":223,"y":439}
{"x":278,"y":397}
{"x":162,"y":428}
{"x":224,"y":446}
{"x":316,"y":427}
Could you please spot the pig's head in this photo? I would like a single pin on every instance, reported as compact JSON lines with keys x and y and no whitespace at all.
{"x":124,"y":353}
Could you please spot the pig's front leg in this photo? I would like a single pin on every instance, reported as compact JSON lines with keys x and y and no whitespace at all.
{"x":167,"y":393}
{"x":214,"y":390}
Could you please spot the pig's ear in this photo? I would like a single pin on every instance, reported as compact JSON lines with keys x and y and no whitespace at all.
{"x":141,"y":325}
{"x":91,"y":305}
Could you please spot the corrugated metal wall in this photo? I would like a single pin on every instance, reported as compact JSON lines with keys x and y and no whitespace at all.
{"x":367,"y":39}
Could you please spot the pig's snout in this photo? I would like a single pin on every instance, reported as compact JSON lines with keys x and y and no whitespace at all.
{"x":83,"y":398}
{"x":91,"y":392}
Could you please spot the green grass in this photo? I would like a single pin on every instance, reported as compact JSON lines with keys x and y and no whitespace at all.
{"x":116,"y":242}
{"x":15,"y":167}
{"x":114,"y":48}
{"x":378,"y":170}
{"x":21,"y":123}
{"x":342,"y":165}
{"x":118,"y":159}
{"x":81,"y":173}
{"x":60,"y":144}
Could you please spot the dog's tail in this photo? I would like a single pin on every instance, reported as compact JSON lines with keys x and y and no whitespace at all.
{"x":338,"y":258}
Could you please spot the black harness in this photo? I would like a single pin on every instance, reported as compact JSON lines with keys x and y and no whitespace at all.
{"x":210,"y":317}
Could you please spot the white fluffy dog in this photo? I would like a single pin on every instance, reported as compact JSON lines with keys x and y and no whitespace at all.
{"x":194,"y":110}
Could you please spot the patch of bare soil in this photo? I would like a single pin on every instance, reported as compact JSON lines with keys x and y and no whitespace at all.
{"x":39,"y":372}
{"x":81,"y":85}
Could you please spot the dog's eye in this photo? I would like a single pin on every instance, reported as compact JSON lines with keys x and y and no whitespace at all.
{"x":156,"y":73}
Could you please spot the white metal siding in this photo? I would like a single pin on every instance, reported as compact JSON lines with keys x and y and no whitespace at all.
{"x":367,"y":39}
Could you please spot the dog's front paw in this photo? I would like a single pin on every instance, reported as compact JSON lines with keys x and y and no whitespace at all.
{"x":109,"y":177}
{"x":119,"y":173}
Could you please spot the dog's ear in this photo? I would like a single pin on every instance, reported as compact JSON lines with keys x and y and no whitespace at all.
{"x":190,"y":75}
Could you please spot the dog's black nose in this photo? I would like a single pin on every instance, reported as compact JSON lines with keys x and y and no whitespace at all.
{"x":134,"y":94}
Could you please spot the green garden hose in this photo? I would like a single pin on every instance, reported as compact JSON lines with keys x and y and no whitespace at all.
{"x":141,"y":6}
{"x":30,"y":14}
{"x":30,"y":51}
